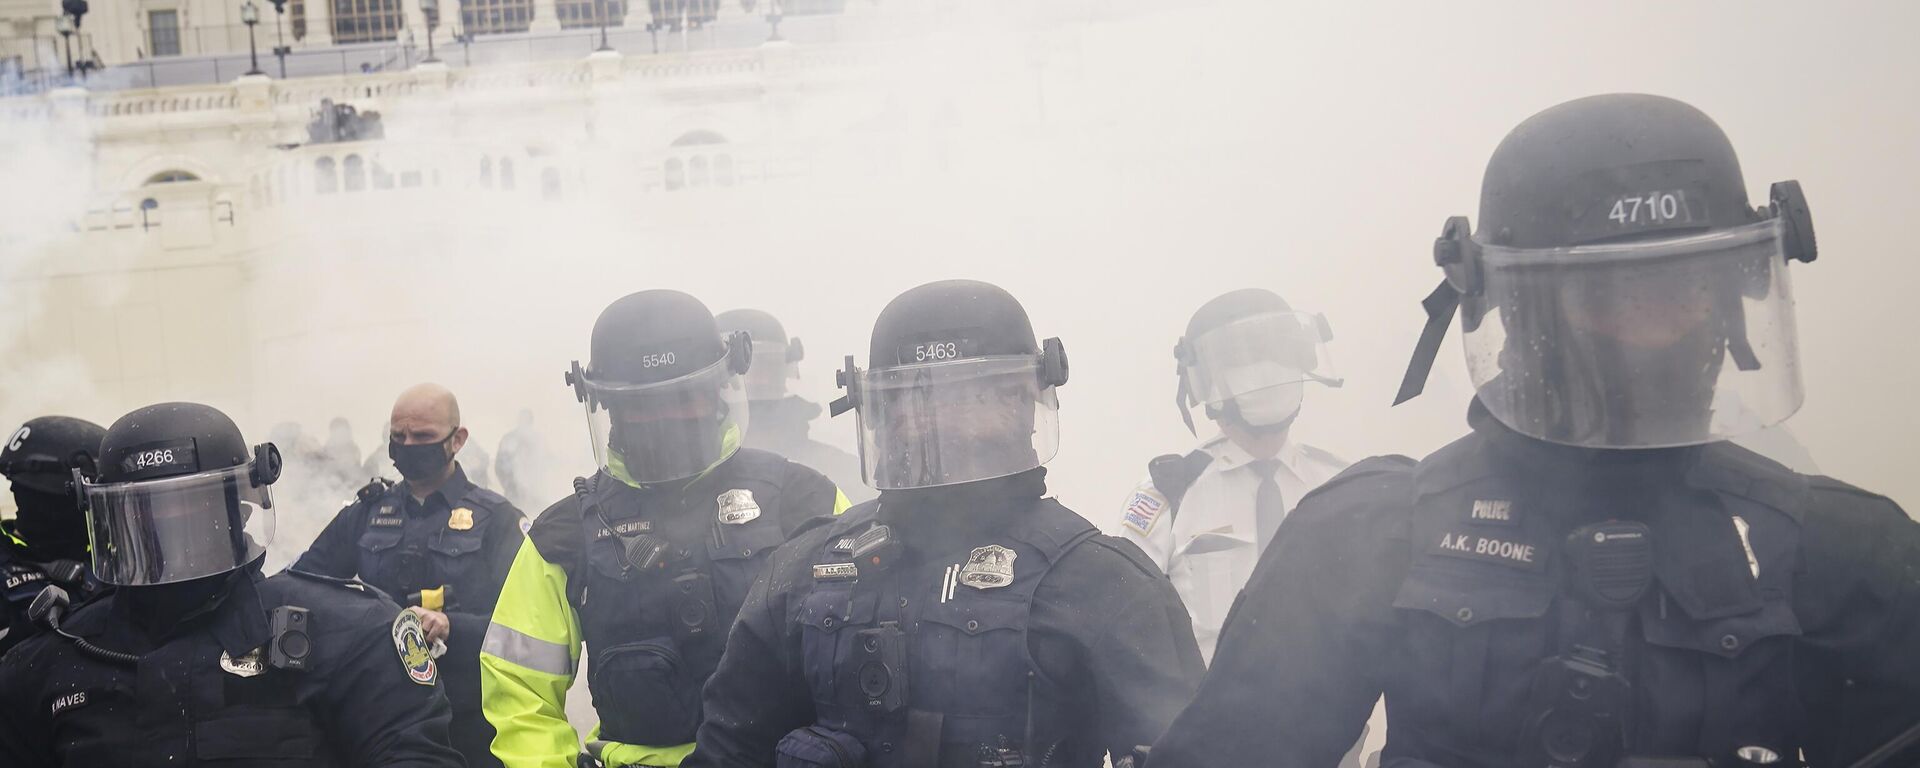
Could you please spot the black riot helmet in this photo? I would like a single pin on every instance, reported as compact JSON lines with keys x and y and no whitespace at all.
{"x":1248,"y":356}
{"x":39,"y":459}
{"x":957,"y":390}
{"x":1620,"y":291}
{"x":179,"y":495}
{"x":663,"y":388}
{"x":43,"y":452}
{"x":778,"y":355}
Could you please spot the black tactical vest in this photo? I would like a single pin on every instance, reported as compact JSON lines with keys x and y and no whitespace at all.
{"x":1489,"y":623}
{"x":926,"y":661}
{"x":656,"y":634}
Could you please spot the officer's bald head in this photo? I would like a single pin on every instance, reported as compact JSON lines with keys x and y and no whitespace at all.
{"x":425,"y":413}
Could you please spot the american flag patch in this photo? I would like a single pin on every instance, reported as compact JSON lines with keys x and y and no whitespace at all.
{"x":1142,"y":510}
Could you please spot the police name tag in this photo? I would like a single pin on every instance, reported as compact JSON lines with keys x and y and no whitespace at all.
{"x":623,"y":528}
{"x":1491,"y":512}
{"x":835,"y":571}
{"x":737,"y":507}
{"x":248,"y":665}
{"x":386,"y":522}
{"x":1489,"y":549}
{"x":69,"y":701}
{"x":988,"y":567}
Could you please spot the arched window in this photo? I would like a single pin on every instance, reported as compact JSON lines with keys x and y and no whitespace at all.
{"x":486,"y":171}
{"x":169,"y":177}
{"x":355,"y":170}
{"x":697,"y":171}
{"x":506,"y":173}
{"x":723,"y":169}
{"x":326,"y":180}
{"x":550,"y":184}
{"x":676,"y":174}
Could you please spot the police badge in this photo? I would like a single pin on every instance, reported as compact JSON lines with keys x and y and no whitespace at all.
{"x":248,"y":665}
{"x":461,"y":519}
{"x":988,"y":567}
{"x":737,"y":507}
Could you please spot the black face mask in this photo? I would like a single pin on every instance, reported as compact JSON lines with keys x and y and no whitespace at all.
{"x":425,"y":461}
{"x":52,"y":526}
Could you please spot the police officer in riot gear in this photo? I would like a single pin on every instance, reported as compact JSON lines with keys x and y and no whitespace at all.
{"x":46,"y":542}
{"x":436,"y":542}
{"x":195,"y":658}
{"x":780,"y":419}
{"x":1204,"y":517}
{"x":962,"y":619}
{"x":1594,"y":576}
{"x":646,"y":562}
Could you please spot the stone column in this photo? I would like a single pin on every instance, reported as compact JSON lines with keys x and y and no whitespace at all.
{"x":545,"y":17}
{"x":319,"y":24}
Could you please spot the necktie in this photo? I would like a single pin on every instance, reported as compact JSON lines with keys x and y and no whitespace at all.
{"x":1268,"y":505}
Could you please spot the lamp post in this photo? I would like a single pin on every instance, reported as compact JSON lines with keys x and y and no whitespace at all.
{"x":430,"y":9}
{"x":600,"y":9}
{"x":64,"y":25}
{"x":773,"y":18}
{"x":280,"y":35}
{"x":250,"y":16}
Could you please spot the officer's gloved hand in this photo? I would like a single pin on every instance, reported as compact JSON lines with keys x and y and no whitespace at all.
{"x":613,"y":754}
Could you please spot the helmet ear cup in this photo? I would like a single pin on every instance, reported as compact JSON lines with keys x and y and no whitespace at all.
{"x":266,"y":464}
{"x":1053,"y":362}
{"x":739,"y":352}
{"x":1789,"y":204}
{"x":795,"y":350}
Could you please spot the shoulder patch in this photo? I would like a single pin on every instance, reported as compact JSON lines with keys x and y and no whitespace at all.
{"x":411,"y":645}
{"x":1143,"y":510}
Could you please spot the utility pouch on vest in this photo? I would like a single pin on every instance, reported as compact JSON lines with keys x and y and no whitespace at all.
{"x":817,"y":746}
{"x":644,"y":694}
{"x":880,"y":661}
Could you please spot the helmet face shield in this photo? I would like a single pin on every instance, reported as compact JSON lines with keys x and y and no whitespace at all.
{"x":955,"y":422}
{"x":767,"y":379}
{"x":178,"y":528}
{"x":669,"y":430}
{"x":1641,"y":344}
{"x":1255,"y":353}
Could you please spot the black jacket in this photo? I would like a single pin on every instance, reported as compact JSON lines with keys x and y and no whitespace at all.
{"x":198,"y":698}
{"x":1105,"y":630}
{"x":1783,"y":616}
{"x":401,"y":546}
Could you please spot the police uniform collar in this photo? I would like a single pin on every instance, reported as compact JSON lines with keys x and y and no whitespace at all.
{"x":235,"y":594}
{"x":1496,"y":449}
{"x":452,"y":491}
{"x":1228,"y":455}
{"x":972,"y":505}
